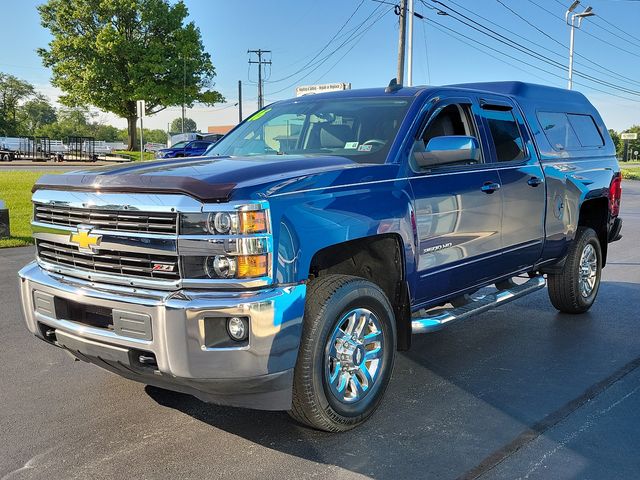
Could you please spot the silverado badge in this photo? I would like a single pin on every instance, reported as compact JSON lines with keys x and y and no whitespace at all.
{"x":85,"y":241}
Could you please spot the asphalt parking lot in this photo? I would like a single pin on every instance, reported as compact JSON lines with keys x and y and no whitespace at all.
{"x":520,"y":391}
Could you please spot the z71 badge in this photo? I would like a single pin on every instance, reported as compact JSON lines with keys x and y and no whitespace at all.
{"x":163,"y":267}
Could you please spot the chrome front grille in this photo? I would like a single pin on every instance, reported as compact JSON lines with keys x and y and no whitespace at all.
{"x":128,"y":264}
{"x":112,"y":220}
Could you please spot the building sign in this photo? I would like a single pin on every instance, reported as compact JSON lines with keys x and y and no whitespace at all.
{"x":327,"y":87}
{"x":629,"y":136}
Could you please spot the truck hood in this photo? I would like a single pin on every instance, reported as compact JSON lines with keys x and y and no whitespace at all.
{"x":207,"y":179}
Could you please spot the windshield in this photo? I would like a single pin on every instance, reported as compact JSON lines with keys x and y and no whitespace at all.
{"x":362,"y":129}
{"x":179,"y":144}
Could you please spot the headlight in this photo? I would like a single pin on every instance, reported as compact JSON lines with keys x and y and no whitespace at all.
{"x":224,"y":223}
{"x":226,"y":266}
{"x":233,"y":243}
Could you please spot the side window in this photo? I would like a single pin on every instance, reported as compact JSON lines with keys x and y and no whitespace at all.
{"x":558,"y":130}
{"x":505,"y":134}
{"x":449,"y":139}
{"x":586,"y":130}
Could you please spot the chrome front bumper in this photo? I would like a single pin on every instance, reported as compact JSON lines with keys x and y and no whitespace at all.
{"x":171,"y":326}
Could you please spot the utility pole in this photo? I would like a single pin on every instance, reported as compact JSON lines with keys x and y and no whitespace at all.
{"x":260,"y":63}
{"x":410,"y":46}
{"x":239,"y":101}
{"x":588,"y":12}
{"x":401,"y":11}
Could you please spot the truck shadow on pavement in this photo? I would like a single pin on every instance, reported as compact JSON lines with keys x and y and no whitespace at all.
{"x":461,"y":397}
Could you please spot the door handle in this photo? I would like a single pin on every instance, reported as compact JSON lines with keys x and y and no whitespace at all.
{"x":490,"y":187}
{"x":535,"y":181}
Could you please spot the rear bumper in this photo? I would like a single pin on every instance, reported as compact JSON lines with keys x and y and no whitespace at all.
{"x":164,"y":338}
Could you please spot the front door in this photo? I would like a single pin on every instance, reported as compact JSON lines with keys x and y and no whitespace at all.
{"x":458,"y":207}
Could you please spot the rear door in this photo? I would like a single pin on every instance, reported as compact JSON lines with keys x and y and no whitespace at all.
{"x":521,"y":179}
{"x":457,"y":217}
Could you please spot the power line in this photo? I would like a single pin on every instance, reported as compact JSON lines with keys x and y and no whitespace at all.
{"x":426,"y":52}
{"x":474,"y":42}
{"x":524,"y":49}
{"x":323,"y":48}
{"x":599,"y":17}
{"x":586,"y":32}
{"x":356,"y":41}
{"x":594,"y":65}
{"x":333,"y":52}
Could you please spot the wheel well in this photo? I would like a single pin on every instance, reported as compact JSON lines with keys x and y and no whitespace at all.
{"x":595,"y":214}
{"x":380,"y":260}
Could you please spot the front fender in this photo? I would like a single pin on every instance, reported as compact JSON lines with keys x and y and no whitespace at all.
{"x":305,"y":223}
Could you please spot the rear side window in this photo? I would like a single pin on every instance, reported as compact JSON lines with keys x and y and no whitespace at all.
{"x":586,"y":130}
{"x":558,"y":130}
{"x":506,"y":135}
{"x":570,"y":131}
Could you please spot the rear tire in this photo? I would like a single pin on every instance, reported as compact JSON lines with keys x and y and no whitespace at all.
{"x":574,"y":289}
{"x":346,"y":355}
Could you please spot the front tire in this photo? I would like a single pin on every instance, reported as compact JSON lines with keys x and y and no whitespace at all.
{"x":346,"y":355}
{"x":574,"y":289}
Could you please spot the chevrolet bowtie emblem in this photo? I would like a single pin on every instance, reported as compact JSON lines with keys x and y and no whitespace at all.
{"x":85,"y":241}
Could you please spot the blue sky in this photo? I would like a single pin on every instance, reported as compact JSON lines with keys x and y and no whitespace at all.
{"x":297,"y":30}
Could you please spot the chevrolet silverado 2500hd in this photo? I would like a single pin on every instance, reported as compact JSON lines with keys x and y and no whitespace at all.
{"x":286,"y":270}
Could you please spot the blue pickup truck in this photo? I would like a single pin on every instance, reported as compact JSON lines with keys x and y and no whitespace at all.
{"x":286,"y":270}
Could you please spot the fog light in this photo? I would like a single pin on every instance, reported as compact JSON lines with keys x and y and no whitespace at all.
{"x":238,"y":329}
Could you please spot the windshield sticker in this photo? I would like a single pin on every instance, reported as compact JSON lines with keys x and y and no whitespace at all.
{"x":364,"y":148}
{"x":351,"y":145}
{"x":258,"y":115}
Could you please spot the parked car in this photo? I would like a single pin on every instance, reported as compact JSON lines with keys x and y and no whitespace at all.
{"x":286,"y":273}
{"x":194,"y":148}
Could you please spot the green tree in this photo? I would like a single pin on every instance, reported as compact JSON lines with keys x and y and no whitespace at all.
{"x":110,"y":53}
{"x":12,"y":92}
{"x":615,"y":136}
{"x":107,"y":133}
{"x":72,"y":122}
{"x":155,"y":136}
{"x":189,"y":125}
{"x":634,"y":145}
{"x":34,"y":114}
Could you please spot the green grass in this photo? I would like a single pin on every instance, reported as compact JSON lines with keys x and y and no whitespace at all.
{"x":631,"y":172}
{"x":15,"y":191}
{"x":135,"y":156}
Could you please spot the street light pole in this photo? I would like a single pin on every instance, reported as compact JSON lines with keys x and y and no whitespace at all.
{"x":588,"y":12}
{"x":410,"y":46}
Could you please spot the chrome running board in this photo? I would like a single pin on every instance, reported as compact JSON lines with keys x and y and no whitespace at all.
{"x":433,"y":323}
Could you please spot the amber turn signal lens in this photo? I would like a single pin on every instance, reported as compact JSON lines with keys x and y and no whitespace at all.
{"x":253,"y":222}
{"x":251,"y":266}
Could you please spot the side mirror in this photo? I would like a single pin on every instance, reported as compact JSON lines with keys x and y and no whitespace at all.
{"x":449,"y":149}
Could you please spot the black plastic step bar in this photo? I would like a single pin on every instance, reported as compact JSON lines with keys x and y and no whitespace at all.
{"x":433,"y":323}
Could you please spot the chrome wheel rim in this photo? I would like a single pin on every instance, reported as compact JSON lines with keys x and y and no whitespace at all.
{"x":354,"y":355}
{"x":588,"y":270}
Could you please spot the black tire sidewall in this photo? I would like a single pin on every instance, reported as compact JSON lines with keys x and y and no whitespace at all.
{"x":355,"y":294}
